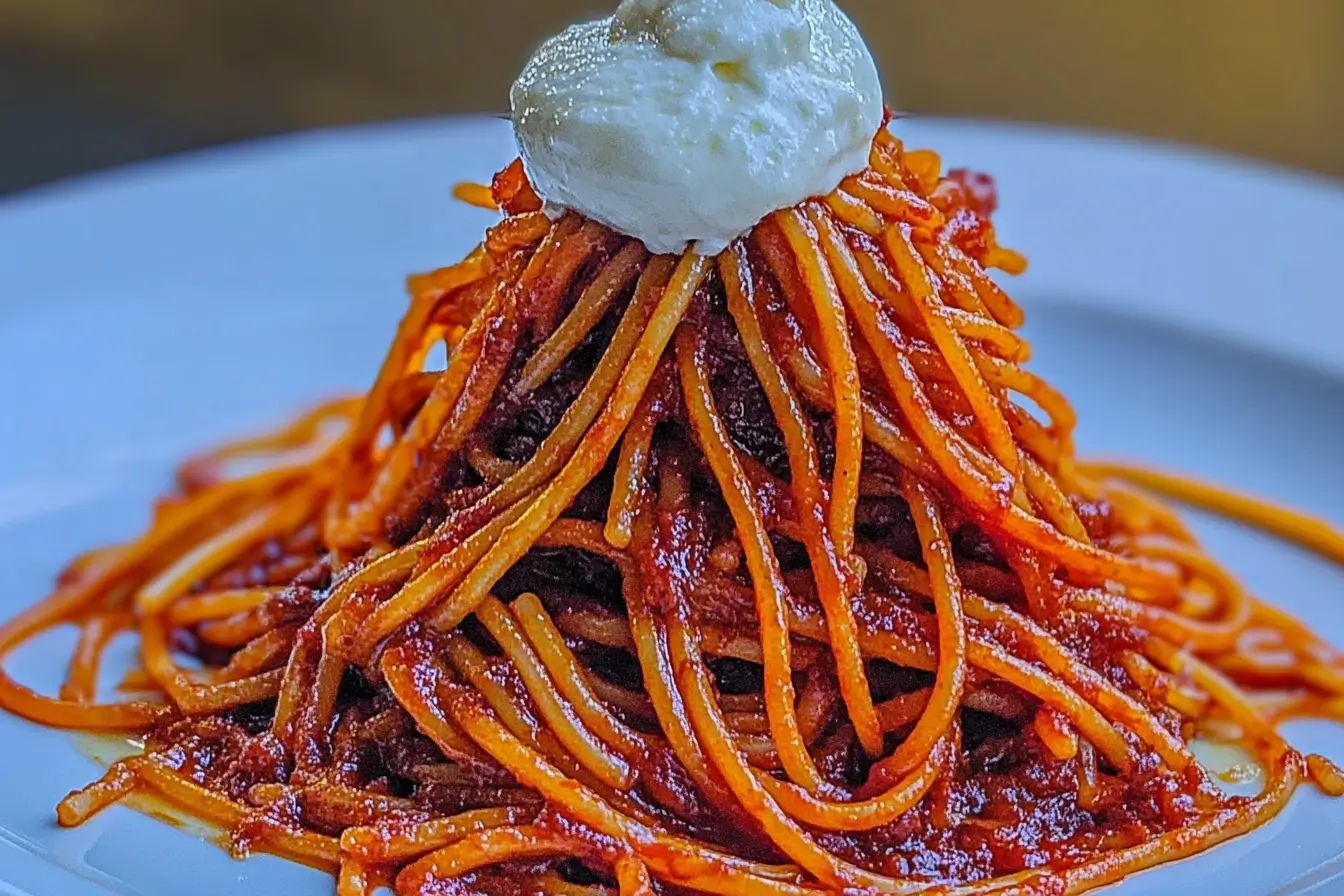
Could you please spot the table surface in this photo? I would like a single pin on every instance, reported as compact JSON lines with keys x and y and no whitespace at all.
{"x":87,"y":82}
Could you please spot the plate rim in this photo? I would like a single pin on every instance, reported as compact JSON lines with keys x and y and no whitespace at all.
{"x":1019,"y":156}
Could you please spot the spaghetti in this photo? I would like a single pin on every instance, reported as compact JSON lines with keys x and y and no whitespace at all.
{"x":755,"y":574}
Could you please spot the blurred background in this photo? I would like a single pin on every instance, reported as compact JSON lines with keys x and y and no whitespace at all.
{"x":89,"y":83}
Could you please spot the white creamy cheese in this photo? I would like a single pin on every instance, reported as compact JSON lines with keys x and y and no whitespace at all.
{"x":688,"y":121}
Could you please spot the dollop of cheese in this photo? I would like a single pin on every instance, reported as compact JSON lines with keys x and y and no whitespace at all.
{"x":685,"y":122}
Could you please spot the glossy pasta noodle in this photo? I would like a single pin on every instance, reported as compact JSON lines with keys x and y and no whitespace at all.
{"x":769,"y":573}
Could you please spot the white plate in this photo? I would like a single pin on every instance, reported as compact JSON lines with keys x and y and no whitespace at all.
{"x":1187,"y":305}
